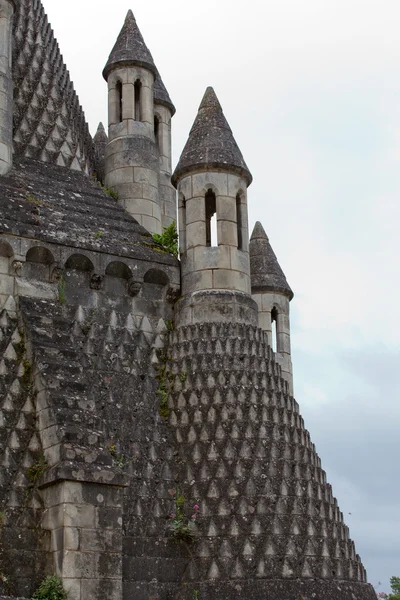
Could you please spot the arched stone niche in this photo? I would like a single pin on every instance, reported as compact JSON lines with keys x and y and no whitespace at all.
{"x":117,"y":276}
{"x":38,"y":262}
{"x":6,"y":252}
{"x":155,"y":285}
{"x":78,"y":271}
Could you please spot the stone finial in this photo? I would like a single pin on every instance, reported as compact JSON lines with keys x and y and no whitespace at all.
{"x":211,"y":144}
{"x":161,"y":95}
{"x":266,"y":273}
{"x":129,"y":49}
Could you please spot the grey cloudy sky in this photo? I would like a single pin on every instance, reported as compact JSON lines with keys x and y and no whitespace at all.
{"x":312,"y":92}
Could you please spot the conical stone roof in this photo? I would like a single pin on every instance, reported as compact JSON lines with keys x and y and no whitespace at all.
{"x":161,"y":95}
{"x":266,"y":272}
{"x":211,"y":144}
{"x":129,"y":49}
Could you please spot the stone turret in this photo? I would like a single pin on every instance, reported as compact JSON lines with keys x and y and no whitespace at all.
{"x":137,"y":135}
{"x":272,"y":293}
{"x":164,"y":110}
{"x":212,"y":180}
{"x":100,"y":142}
{"x":6,"y":85}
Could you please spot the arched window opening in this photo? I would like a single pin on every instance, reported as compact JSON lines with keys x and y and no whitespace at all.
{"x":119,"y":101}
{"x":211,"y":219}
{"x":157,"y":130}
{"x":118,"y":269}
{"x":156,"y":277}
{"x":6,"y":250}
{"x":138,"y":100}
{"x":274,"y":328}
{"x":239,"y":222}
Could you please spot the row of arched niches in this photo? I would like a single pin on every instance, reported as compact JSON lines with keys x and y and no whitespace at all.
{"x":82,"y":271}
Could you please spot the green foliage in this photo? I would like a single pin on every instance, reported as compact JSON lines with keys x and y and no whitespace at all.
{"x":395,"y":585}
{"x":182,"y":528}
{"x":98,"y":235}
{"x":119,"y":459}
{"x":168,"y":240}
{"x":111,"y":192}
{"x":61,"y":290}
{"x":33,"y":200}
{"x":26,"y":377}
{"x":50,"y":589}
{"x":169,"y":325}
{"x":20,"y":346}
{"x":183,"y":376}
{"x":196,"y":595}
{"x":35,"y":471}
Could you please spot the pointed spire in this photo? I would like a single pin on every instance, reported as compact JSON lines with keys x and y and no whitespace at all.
{"x":161,"y":95}
{"x":100,"y":142}
{"x":266,"y":273}
{"x":129,"y":49}
{"x":211,"y":144}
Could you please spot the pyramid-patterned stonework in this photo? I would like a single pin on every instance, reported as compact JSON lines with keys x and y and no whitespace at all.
{"x":267,"y":511}
{"x":49,"y":123}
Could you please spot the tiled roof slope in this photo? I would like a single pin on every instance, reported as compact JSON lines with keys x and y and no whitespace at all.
{"x":49,"y":123}
{"x":57,"y":205}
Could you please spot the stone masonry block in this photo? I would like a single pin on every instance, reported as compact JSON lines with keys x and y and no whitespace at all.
{"x":237,"y":185}
{"x":142,"y":175}
{"x":218,"y":182}
{"x":123,"y":175}
{"x":185,"y":187}
{"x":264,"y":320}
{"x":136,"y":206}
{"x":240,"y":261}
{"x":127,"y":191}
{"x":227,"y":233}
{"x":196,"y":234}
{"x":226,"y":208}
{"x":230,"y":280}
{"x":200,"y":280}
{"x":211,"y":258}
{"x":195,"y":210}
{"x":101,"y":589}
{"x":151,"y":224}
{"x":128,"y":101}
{"x":73,"y":588}
{"x":80,"y":516}
{"x":6,"y":284}
{"x":150,"y":192}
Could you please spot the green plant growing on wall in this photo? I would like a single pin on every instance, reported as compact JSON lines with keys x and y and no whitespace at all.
{"x":51,"y":588}
{"x":35,"y":471}
{"x":61,"y":290}
{"x":111,"y":192}
{"x":33,"y":200}
{"x":98,"y":235}
{"x":182,"y":527}
{"x":196,"y":595}
{"x":168,"y":240}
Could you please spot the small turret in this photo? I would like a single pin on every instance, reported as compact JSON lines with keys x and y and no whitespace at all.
{"x":136,"y":152}
{"x":6,"y":86}
{"x":164,"y":110}
{"x":272,"y":293}
{"x":212,"y":179}
{"x":100,"y":142}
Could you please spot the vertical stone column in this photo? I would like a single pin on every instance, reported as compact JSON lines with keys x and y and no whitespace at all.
{"x":6,"y":85}
{"x":85,"y":520}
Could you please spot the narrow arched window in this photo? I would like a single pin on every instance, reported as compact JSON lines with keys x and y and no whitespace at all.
{"x":157,"y":130}
{"x":274,"y":329}
{"x":182,"y":224}
{"x":211,"y":219}
{"x":239,"y":222}
{"x":119,"y":101}
{"x":138,"y":100}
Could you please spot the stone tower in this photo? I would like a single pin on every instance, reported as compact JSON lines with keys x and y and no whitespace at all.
{"x":212,"y":180}
{"x":120,"y":404}
{"x":138,"y":154}
{"x":6,"y":85}
{"x":272,"y":294}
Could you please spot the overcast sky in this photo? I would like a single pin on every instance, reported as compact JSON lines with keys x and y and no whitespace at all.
{"x":311,"y":90}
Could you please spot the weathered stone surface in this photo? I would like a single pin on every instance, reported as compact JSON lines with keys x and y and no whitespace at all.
{"x":266,"y":273}
{"x":129,"y":49}
{"x":211,"y":144}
